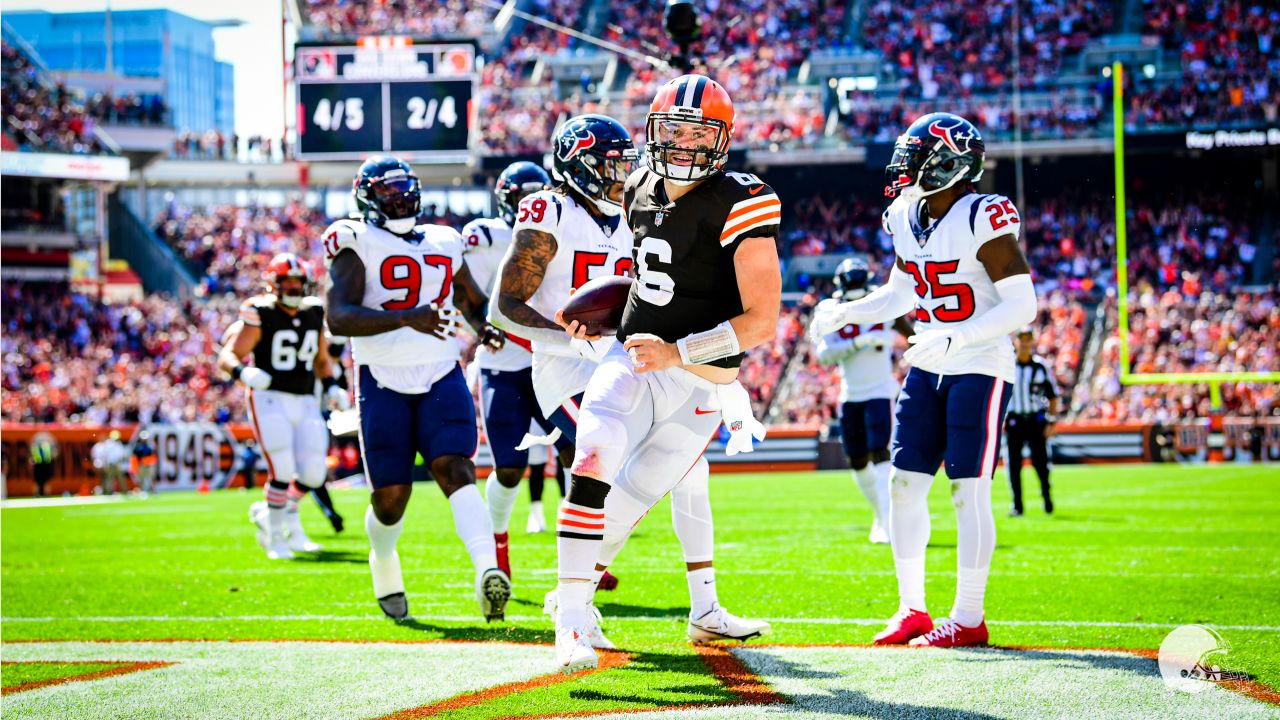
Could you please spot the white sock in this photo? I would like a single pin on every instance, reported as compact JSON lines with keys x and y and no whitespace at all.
{"x":882,"y":491}
{"x":384,"y":562}
{"x":975,"y":544}
{"x":910,"y":583}
{"x":702,"y":591}
{"x":501,"y":499}
{"x":535,"y":509}
{"x":474,"y":528}
{"x":866,"y":481}
{"x":574,"y":596}
{"x":971,"y":587}
{"x":277,"y":497}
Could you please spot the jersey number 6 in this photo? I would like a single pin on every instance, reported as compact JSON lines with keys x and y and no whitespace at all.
{"x":653,"y":286}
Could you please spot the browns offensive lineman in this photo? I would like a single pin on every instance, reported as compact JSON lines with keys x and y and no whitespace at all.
{"x":708,"y":288}
{"x":284,"y":331}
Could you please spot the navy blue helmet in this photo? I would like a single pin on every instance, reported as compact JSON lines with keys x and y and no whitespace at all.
{"x":936,"y":152}
{"x":388,"y":193}
{"x":518,"y":180}
{"x":593,"y":155}
{"x":851,"y":278}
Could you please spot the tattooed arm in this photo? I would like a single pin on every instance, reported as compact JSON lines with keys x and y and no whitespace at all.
{"x":519,"y":278}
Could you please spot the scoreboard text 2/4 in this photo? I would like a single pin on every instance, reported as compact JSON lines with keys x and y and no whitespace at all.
{"x":384,"y":95}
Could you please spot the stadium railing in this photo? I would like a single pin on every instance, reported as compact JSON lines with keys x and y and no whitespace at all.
{"x":155,"y":262}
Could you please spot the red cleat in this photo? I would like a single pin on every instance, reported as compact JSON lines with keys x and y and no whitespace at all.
{"x":949,"y":633}
{"x":903,"y":627}
{"x":501,"y":544}
{"x":608,"y":581}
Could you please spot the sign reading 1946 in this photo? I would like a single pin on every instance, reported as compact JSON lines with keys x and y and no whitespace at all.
{"x":384,"y":94}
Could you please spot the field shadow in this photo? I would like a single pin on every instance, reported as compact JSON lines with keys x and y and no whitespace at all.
{"x":1113,"y":661}
{"x":623,"y":610}
{"x":492,"y":633}
{"x":333,"y":556}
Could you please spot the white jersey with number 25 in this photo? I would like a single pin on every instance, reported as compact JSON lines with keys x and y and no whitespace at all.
{"x":952,"y":286}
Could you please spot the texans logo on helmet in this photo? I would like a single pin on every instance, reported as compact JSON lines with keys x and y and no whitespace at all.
{"x":579,"y":139}
{"x":949,"y":136}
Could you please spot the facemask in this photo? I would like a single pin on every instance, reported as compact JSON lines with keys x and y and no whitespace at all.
{"x":401,"y":226}
{"x":292,"y":301}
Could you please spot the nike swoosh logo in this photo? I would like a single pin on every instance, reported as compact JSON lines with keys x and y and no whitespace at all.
{"x":700,"y":411}
{"x":755,"y":190}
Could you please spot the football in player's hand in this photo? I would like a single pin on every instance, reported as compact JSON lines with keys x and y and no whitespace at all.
{"x":599,"y":303}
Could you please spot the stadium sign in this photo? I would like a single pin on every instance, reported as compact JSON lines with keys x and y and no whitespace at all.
{"x":65,"y":167}
{"x":1196,"y":140}
{"x":384,"y":95}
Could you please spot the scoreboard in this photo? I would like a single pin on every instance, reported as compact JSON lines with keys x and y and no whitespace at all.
{"x":384,"y":94}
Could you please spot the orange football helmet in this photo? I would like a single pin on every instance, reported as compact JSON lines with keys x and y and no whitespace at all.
{"x":689,"y":128}
{"x":282,"y":267}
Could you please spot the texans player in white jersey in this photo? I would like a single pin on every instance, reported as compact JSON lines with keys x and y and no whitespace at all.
{"x":284,"y":332}
{"x":960,"y":266}
{"x":507,"y":400}
{"x":708,"y":288}
{"x":393,"y":289}
{"x":864,"y":354}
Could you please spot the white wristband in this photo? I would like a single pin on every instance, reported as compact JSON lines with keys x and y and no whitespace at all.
{"x":715,"y":344}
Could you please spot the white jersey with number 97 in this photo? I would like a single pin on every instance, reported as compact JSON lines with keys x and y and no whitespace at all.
{"x":952,"y":285}
{"x":401,"y":274}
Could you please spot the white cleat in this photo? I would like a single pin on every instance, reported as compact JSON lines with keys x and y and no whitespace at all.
{"x":537,"y":521}
{"x":720,"y":624}
{"x":278,"y":548}
{"x":573,"y":648}
{"x":595,"y":635}
{"x":493,"y":590}
{"x":298,"y":539}
{"x":879,"y":534}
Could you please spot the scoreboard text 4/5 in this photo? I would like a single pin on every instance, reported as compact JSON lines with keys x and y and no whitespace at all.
{"x":384,"y":95}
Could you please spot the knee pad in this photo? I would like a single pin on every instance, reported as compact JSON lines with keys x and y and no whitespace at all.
{"x":908,"y":486}
{"x":601,"y":446}
{"x":312,"y":473}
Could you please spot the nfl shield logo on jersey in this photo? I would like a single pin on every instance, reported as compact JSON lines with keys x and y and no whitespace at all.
{"x":657,"y":219}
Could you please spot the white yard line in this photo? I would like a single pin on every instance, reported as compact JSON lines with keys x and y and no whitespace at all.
{"x":615,"y":618}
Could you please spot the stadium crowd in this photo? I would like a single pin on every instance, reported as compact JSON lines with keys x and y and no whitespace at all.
{"x":41,"y":115}
{"x":68,"y":358}
{"x":1170,"y":331}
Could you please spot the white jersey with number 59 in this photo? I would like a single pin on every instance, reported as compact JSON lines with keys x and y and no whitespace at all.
{"x":400,"y":274}
{"x":951,"y":283}
{"x":586,"y":248}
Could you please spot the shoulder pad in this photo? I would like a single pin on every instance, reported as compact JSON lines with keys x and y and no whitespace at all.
{"x":342,"y":235}
{"x":992,"y":216}
{"x":753,"y":207}
{"x":540,"y":211}
{"x":311,"y":301}
{"x":251,"y":309}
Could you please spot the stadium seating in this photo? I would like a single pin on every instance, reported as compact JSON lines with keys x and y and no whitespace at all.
{"x":42,"y":115}
{"x":67,"y":358}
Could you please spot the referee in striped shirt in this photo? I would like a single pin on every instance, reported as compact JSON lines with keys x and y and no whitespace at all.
{"x":1032,"y":412}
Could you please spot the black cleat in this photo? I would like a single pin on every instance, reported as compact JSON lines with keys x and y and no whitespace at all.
{"x":1048,"y":507}
{"x":336,"y":521}
{"x":395,"y":606}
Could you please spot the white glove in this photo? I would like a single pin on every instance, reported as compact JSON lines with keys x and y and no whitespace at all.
{"x":344,"y":422}
{"x":828,"y":317}
{"x":735,"y":412}
{"x":338,"y":398}
{"x":256,"y":378}
{"x":593,"y":350}
{"x":862,"y":342}
{"x":931,"y":347}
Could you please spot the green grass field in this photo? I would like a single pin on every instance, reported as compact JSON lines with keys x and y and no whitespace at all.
{"x":1132,"y":552}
